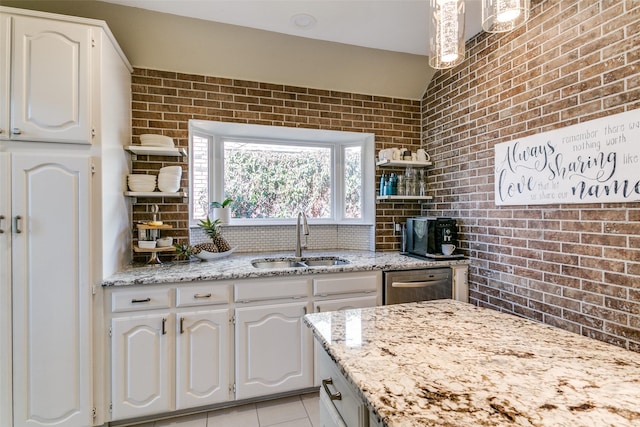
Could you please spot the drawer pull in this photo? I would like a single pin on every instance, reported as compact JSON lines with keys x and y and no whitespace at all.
{"x":325,"y":385}
{"x":164,"y":326}
{"x":182,"y":325}
{"x":202,"y":295}
{"x":136,"y":301}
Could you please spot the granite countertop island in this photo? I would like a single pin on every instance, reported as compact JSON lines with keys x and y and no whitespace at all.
{"x":238,"y":266}
{"x":449,"y":363}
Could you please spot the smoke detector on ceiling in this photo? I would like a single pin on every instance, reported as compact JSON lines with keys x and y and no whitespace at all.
{"x":303,"y":21}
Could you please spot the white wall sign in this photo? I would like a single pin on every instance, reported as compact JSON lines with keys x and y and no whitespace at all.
{"x":592,"y":162}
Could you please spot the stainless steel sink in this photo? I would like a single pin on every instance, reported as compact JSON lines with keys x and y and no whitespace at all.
{"x":298,"y":262}
{"x":325,"y":262}
{"x":276,"y":263}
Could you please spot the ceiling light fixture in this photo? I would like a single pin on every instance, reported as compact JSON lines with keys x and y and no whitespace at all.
{"x":446,"y":42}
{"x":500,"y":16}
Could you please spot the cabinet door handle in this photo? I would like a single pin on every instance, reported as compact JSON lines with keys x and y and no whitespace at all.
{"x":202,"y":295}
{"x":18,"y":224}
{"x":1,"y":218}
{"x":164,"y":326}
{"x":16,"y":131}
{"x":332,"y":396}
{"x":137,"y":301}
{"x":182,"y":325}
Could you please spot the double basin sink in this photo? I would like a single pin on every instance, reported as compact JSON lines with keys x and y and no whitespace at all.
{"x":298,"y":262}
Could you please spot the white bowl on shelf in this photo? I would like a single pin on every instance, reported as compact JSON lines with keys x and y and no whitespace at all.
{"x":164,"y":242}
{"x":152,"y":140}
{"x":141,"y":183}
{"x":169,"y":183}
{"x":171,"y":171}
{"x":146,"y":244}
{"x":169,"y":186}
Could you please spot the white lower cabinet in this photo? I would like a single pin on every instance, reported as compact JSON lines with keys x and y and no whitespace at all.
{"x":47,"y":222}
{"x":273,"y":349}
{"x":167,"y":356}
{"x":202,"y":358}
{"x":175,"y":347}
{"x":141,"y":356}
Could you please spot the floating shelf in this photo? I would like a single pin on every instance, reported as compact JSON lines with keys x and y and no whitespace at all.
{"x":153,"y":227}
{"x":403,"y":163}
{"x":154,"y":194}
{"x":136,"y":248}
{"x":156,"y":151}
{"x":389,"y":198}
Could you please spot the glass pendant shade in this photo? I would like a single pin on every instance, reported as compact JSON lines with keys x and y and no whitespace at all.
{"x":446,"y":42}
{"x":499,"y":16}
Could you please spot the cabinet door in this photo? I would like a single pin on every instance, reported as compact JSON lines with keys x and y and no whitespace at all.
{"x":273,"y":350}
{"x":203,"y":357}
{"x":5,"y":291}
{"x":50,"y":90}
{"x":5,"y":72}
{"x":51,"y":292}
{"x":141,"y":365}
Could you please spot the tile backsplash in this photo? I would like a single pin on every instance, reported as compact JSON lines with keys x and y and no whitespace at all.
{"x":279,"y":238}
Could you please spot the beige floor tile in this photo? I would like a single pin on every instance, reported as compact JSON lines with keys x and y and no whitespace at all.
{"x":311,"y":402}
{"x":280,"y":411}
{"x":241,"y":416}
{"x":197,"y":420}
{"x":302,"y":422}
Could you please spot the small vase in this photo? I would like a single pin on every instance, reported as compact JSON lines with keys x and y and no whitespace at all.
{"x":223,"y":214}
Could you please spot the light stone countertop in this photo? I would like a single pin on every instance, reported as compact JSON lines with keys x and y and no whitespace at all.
{"x":238,"y":266}
{"x":449,"y":363}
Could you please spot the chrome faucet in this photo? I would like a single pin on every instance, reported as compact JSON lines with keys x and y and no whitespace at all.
{"x":305,"y":228}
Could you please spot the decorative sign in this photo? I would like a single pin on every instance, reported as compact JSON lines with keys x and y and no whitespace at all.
{"x":592,"y":162}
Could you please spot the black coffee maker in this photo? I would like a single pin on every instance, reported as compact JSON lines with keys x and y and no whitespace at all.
{"x":426,"y":235}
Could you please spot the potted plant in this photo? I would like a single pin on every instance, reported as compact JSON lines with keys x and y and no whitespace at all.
{"x":222,"y":211}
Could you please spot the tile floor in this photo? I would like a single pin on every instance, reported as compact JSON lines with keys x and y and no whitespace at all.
{"x":294,"y":411}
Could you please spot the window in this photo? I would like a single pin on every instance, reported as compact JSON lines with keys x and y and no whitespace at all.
{"x":272,"y":173}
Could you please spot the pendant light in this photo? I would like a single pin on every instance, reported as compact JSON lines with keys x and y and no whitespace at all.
{"x":499,"y":16}
{"x":446,"y":42}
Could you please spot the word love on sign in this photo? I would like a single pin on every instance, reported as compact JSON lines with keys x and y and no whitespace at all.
{"x":593,"y":162}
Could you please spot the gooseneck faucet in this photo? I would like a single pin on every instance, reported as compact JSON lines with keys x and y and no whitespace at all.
{"x":305,"y":229}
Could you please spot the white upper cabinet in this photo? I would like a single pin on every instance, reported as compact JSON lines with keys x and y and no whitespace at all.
{"x":50,"y":80}
{"x":5,"y":72}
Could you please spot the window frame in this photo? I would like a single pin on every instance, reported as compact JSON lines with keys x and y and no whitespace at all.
{"x":217,"y":132}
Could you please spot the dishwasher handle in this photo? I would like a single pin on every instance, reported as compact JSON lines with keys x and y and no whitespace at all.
{"x":422,"y":284}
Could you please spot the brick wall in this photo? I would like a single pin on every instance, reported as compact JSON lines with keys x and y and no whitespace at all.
{"x":573,"y":266}
{"x":163,"y":102}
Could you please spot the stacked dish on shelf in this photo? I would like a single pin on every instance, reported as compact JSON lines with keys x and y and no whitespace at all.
{"x":141,"y":182}
{"x":169,"y":179}
{"x":156,"y":140}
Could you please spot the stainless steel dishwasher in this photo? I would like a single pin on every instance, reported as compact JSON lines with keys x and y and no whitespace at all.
{"x":417,"y":285}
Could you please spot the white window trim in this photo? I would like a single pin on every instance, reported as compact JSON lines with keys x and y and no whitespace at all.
{"x":216,"y":132}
